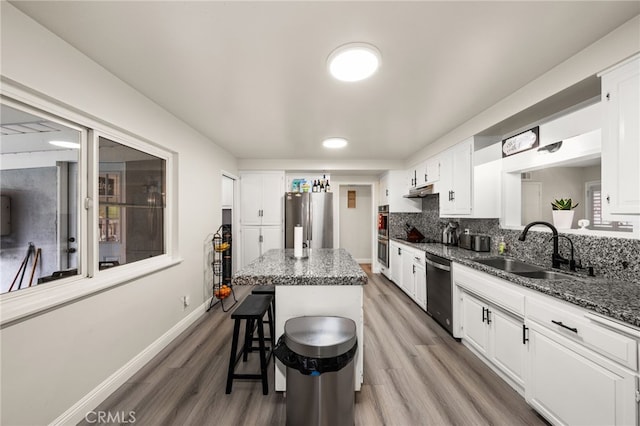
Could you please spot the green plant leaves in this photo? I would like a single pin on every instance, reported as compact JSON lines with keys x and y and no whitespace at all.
{"x":563,"y":204}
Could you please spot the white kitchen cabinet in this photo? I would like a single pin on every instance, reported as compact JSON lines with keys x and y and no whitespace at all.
{"x":408,"y":272}
{"x":621,"y":140}
{"x":456,"y":179}
{"x":256,"y":240}
{"x":395,"y":262}
{"x":227,"y":192}
{"x":420,"y":280}
{"x":570,"y":386}
{"x":392,"y":188}
{"x":424,"y":173}
{"x":261,"y":198}
{"x":495,"y":334}
{"x":473,"y":323}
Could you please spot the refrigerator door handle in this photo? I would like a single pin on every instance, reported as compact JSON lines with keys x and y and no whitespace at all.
{"x":310,"y":223}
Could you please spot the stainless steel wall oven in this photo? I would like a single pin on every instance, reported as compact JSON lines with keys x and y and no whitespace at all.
{"x":383,"y":235}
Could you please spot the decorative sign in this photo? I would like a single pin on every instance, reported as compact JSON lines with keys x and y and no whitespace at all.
{"x":521,"y":142}
{"x":351,"y":199}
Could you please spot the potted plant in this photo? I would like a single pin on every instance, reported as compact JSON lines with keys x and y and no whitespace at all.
{"x":563,"y":212}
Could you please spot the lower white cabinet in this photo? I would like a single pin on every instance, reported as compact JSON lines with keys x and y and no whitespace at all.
{"x":408,"y":272}
{"x":495,"y":334}
{"x":395,"y":262}
{"x":256,"y":240}
{"x":420,"y":281}
{"x":568,"y":385}
{"x":573,"y":367}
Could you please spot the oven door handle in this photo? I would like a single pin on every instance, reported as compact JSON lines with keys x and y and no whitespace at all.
{"x":438,"y":265}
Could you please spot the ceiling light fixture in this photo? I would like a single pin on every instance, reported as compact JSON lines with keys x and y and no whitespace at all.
{"x":66,"y":144}
{"x":334,"y":143}
{"x":354,"y":61}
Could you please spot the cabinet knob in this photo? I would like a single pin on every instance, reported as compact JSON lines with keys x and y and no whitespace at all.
{"x":608,"y":96}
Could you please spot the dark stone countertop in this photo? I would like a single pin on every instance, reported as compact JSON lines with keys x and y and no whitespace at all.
{"x":618,"y":300}
{"x":322,"y":267}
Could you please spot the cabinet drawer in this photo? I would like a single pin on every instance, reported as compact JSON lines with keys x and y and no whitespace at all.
{"x":490,"y":288}
{"x":571,"y":323}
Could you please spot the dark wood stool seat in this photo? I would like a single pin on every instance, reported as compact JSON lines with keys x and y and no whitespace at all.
{"x":268,"y":289}
{"x":252,"y":310}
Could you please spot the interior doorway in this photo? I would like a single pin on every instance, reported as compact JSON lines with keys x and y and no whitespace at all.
{"x":356,"y":221}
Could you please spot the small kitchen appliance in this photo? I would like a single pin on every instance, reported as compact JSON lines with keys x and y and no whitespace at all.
{"x":450,"y":234}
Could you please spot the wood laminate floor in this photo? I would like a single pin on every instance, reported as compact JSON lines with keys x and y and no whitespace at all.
{"x":414,"y":374}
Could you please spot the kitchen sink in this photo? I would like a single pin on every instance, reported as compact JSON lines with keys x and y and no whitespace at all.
{"x":543,"y":275}
{"x":509,"y":265}
{"x":522,"y":269}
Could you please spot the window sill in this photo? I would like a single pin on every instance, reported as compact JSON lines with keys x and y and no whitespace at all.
{"x":37,"y":300}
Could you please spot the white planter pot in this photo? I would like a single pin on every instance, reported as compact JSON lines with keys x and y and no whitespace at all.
{"x":562,"y":219}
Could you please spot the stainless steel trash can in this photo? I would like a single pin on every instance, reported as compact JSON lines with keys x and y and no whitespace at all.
{"x":318,"y":352}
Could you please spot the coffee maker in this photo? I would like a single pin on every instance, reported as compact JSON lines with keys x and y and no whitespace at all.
{"x":450,"y":234}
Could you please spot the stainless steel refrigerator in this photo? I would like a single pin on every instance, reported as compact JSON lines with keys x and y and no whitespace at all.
{"x":312,"y":210}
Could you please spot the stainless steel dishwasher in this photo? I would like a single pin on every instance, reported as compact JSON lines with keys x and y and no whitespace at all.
{"x":439,"y":290}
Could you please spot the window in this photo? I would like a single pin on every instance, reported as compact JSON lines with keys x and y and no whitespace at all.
{"x":594,"y":211}
{"x":78,"y":200}
{"x":39,"y":189}
{"x":131,"y":204}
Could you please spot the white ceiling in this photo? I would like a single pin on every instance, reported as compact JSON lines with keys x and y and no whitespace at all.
{"x":252,"y":76}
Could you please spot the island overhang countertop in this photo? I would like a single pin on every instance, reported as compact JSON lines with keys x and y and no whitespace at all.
{"x":321,"y":267}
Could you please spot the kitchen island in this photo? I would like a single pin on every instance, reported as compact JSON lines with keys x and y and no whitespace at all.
{"x":327,"y":282}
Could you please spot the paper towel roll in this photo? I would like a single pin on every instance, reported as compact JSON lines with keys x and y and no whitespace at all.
{"x":297,"y":241}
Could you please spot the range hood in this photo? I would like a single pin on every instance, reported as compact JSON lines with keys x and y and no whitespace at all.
{"x":420,"y":192}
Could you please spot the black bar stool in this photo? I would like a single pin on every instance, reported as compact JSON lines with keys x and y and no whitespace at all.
{"x":252,"y":310}
{"x":268,"y":289}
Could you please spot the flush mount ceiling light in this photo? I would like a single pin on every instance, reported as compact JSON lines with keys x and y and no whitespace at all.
{"x":66,"y":144}
{"x":354,"y":61}
{"x":334,"y":143}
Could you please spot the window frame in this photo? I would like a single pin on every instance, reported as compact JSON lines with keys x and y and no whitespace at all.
{"x":16,"y":306}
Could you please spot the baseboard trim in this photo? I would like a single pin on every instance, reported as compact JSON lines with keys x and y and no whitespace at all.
{"x":78,"y":411}
{"x":363,"y":260}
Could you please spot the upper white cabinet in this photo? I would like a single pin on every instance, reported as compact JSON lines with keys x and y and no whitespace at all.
{"x":455,"y":179}
{"x":227,"y":192}
{"x":424,"y":173}
{"x":392,"y":188}
{"x":261,"y":198}
{"x":621,"y":139}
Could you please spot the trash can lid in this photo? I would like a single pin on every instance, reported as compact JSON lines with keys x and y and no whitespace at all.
{"x":320,"y":337}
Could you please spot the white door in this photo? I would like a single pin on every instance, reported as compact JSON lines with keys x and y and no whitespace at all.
{"x":395,"y":263}
{"x":569,"y":388}
{"x":531,"y":207}
{"x":272,"y":199}
{"x":251,"y":199}
{"x":250,"y":244}
{"x":421,"y":283}
{"x":408,"y":272}
{"x":271,"y":238}
{"x":508,"y":351}
{"x":474,"y":323}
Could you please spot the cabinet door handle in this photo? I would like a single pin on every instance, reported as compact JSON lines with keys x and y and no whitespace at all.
{"x":575,"y":330}
{"x":484,"y":313}
{"x":386,"y":192}
{"x":453,"y":195}
{"x":525,"y":337}
{"x":414,"y":269}
{"x":425,"y":178}
{"x":488,"y":316}
{"x":399,"y":251}
{"x":608,"y":96}
{"x":608,"y":199}
{"x":260,"y":239}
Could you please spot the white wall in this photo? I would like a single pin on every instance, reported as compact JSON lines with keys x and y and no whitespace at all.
{"x":51,"y":361}
{"x":356,"y":223}
{"x":616,"y":46}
